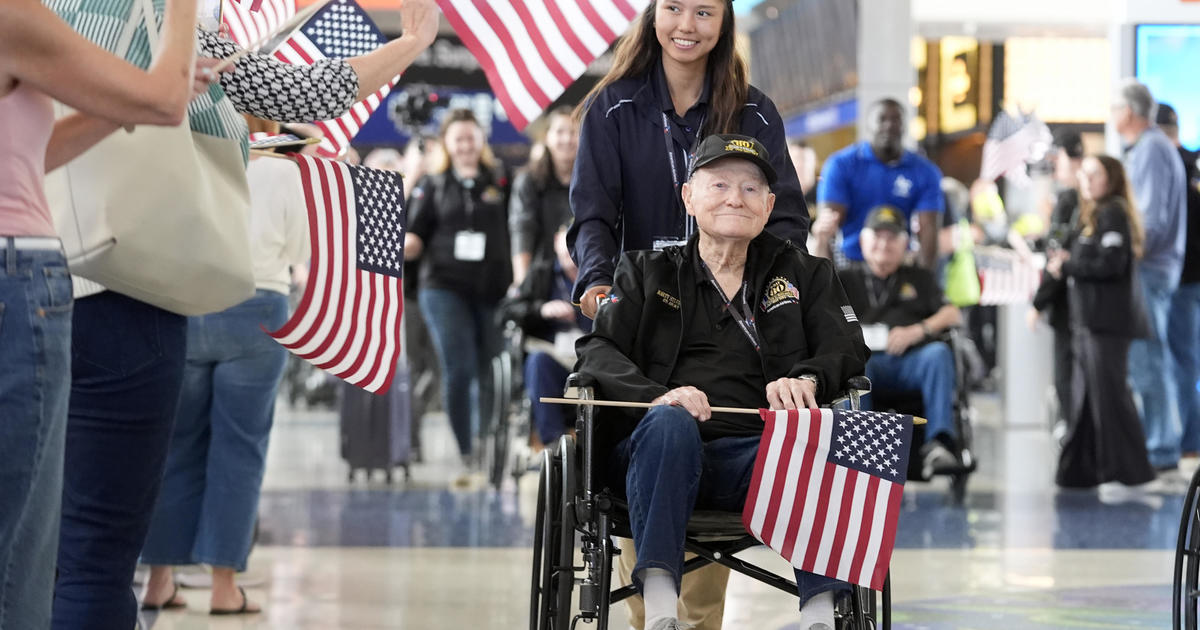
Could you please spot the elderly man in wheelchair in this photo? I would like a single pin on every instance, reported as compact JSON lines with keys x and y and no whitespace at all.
{"x":736,"y":317}
{"x":904,"y":314}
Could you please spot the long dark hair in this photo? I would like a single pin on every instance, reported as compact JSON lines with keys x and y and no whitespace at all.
{"x":542,"y":169}
{"x":1119,"y":192}
{"x":639,"y":53}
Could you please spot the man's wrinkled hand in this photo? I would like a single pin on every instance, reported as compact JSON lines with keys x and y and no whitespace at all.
{"x":691,"y":399}
{"x":792,"y":393}
{"x":901,"y":338}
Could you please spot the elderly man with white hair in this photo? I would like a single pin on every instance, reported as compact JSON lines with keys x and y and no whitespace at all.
{"x":1159,"y":188}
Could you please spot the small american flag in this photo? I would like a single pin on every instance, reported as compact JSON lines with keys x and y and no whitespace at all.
{"x":532,"y":50}
{"x":248,"y":24}
{"x":1011,"y":142}
{"x":340,"y":30}
{"x":348,"y":322}
{"x":826,"y":490}
{"x":1005,"y":277}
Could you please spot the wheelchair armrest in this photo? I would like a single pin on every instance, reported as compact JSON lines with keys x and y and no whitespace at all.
{"x":860,"y":383}
{"x":579,"y":385}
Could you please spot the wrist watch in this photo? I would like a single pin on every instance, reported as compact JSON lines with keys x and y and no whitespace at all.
{"x":811,"y":377}
{"x":926,"y":329}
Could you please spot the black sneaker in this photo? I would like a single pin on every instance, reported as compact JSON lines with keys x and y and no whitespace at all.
{"x":936,"y":458}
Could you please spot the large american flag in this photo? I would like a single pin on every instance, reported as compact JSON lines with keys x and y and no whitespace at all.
{"x":532,"y":50}
{"x":340,"y":30}
{"x":348,"y":322}
{"x":249,"y":24}
{"x":826,"y":490}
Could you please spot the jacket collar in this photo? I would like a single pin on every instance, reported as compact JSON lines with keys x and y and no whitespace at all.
{"x":760,"y":256}
{"x":654,"y":97}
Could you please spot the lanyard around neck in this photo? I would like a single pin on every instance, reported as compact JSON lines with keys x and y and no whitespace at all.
{"x":676,"y":177}
{"x":745,"y":319}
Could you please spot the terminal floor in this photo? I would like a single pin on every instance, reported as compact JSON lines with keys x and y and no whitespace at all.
{"x":1018,"y":554}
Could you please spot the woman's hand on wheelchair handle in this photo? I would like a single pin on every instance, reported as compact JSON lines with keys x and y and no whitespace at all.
{"x":792,"y":393}
{"x":691,"y":399}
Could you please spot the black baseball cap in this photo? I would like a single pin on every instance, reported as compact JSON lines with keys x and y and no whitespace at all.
{"x":718,"y":146}
{"x":1166,"y":115}
{"x":887,"y":217}
{"x":1070,"y":141}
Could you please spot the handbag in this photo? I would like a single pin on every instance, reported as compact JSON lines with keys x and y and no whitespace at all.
{"x":160,"y":214}
{"x":962,"y":279}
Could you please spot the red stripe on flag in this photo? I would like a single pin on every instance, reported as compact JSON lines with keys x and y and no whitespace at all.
{"x":785,"y":460}
{"x":539,"y":42}
{"x":379,"y":360}
{"x":313,"y":248}
{"x":879,"y":574}
{"x":626,"y":9}
{"x":327,"y":261}
{"x":595,"y":20}
{"x":864,"y":532}
{"x":514,"y":53}
{"x":362,"y":353}
{"x":760,"y":462}
{"x":485,"y":61}
{"x":806,"y":468}
{"x":839,"y":539}
{"x":347,"y":259}
{"x":814,"y":543}
{"x":568,"y":33}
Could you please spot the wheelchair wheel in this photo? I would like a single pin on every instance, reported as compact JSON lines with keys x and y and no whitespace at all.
{"x":553,"y":550}
{"x":1187,"y":561}
{"x":867,"y":609}
{"x":499,"y":440}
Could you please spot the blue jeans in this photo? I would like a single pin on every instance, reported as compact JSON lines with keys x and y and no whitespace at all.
{"x":466,"y":338}
{"x":209,"y":501}
{"x":1152,"y":373}
{"x":928,"y":368}
{"x":669,"y":471}
{"x":35,"y":379}
{"x":1183,"y":331}
{"x":126,"y":369}
{"x":545,"y":376}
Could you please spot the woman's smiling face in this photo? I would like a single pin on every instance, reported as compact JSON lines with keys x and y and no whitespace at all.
{"x":688,"y":30}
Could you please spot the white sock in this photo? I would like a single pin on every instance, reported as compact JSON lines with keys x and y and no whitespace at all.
{"x":817,"y":613}
{"x":659,"y":595}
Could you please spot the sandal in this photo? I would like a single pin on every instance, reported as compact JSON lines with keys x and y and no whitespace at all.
{"x":169,"y":603}
{"x":244,"y":610}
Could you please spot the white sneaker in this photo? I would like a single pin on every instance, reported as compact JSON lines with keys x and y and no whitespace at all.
{"x":817,"y":613}
{"x":671,"y":623}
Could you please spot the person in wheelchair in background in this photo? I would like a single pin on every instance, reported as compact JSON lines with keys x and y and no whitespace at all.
{"x":736,"y":317}
{"x":903,"y":310}
{"x":551,"y":325}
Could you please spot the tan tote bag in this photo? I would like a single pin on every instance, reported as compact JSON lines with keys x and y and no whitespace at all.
{"x":160,"y":214}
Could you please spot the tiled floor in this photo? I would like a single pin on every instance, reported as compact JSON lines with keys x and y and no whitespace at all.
{"x":364,"y":555}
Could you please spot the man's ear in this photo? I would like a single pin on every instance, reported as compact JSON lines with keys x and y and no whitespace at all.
{"x":770,"y":203}
{"x":685,"y":192}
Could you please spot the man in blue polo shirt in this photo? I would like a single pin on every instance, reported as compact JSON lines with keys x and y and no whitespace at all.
{"x":866,"y":175}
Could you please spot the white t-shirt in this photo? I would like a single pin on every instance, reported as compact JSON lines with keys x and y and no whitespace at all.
{"x":278,"y":221}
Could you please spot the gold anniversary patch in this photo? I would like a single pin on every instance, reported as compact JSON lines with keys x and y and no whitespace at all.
{"x":780,"y":291}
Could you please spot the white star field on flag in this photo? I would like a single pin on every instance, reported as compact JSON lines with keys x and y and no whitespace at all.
{"x":867,"y":441}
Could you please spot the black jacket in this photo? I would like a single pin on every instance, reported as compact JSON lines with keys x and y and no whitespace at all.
{"x":622,"y":191}
{"x":440,"y":207}
{"x":525,"y":307}
{"x":1105,"y":295}
{"x":632,"y":351}
{"x":1051,"y":294}
{"x":535,"y":213}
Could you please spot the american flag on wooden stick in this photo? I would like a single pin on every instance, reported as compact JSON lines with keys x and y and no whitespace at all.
{"x":249,"y":24}
{"x":532,"y":50}
{"x":348,"y":322}
{"x":826,"y":490}
{"x":340,"y":30}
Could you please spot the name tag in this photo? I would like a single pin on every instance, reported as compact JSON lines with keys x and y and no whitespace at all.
{"x":469,"y":246}
{"x":875,"y":336}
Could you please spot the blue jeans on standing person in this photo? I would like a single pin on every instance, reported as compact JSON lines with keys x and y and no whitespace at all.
{"x":466,"y":337}
{"x":928,"y":369}
{"x":209,"y":500}
{"x":1152,"y":372}
{"x":545,"y":376}
{"x":669,"y":471}
{"x":35,"y":379}
{"x":1183,"y":331}
{"x":126,"y":369}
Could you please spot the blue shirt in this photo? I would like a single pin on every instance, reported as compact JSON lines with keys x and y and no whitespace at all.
{"x":855,"y":178}
{"x":623,"y":194}
{"x":1160,"y":190}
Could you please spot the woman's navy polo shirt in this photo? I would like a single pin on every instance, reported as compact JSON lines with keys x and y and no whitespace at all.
{"x":622,"y":191}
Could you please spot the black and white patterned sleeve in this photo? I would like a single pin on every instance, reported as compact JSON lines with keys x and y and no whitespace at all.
{"x":271,"y":89}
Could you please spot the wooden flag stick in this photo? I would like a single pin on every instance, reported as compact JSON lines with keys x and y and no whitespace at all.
{"x":298,"y":19}
{"x":639,"y":405}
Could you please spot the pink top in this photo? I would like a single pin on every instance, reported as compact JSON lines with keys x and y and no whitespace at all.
{"x":26,"y":121}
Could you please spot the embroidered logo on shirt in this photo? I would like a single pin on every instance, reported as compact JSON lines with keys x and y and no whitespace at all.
{"x":418,"y":193}
{"x":780,"y":291}
{"x":902,"y":186}
{"x":849,"y":314}
{"x":491,"y":194}
{"x":668,"y":299}
{"x":908,"y":291}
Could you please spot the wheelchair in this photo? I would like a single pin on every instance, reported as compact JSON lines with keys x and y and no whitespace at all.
{"x":1185,"y":591}
{"x":507,"y":411}
{"x":570,"y":505}
{"x":909,"y":402}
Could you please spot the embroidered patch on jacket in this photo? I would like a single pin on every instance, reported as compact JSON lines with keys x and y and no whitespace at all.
{"x":908,"y":291}
{"x":491,"y":194}
{"x":668,"y":299}
{"x":418,"y":193}
{"x":849,"y":314}
{"x":780,"y":291}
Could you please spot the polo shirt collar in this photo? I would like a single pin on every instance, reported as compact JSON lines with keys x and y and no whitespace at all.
{"x":866,"y":152}
{"x":658,"y":79}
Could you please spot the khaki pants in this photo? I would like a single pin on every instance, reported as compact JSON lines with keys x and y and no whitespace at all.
{"x":701,"y":597}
